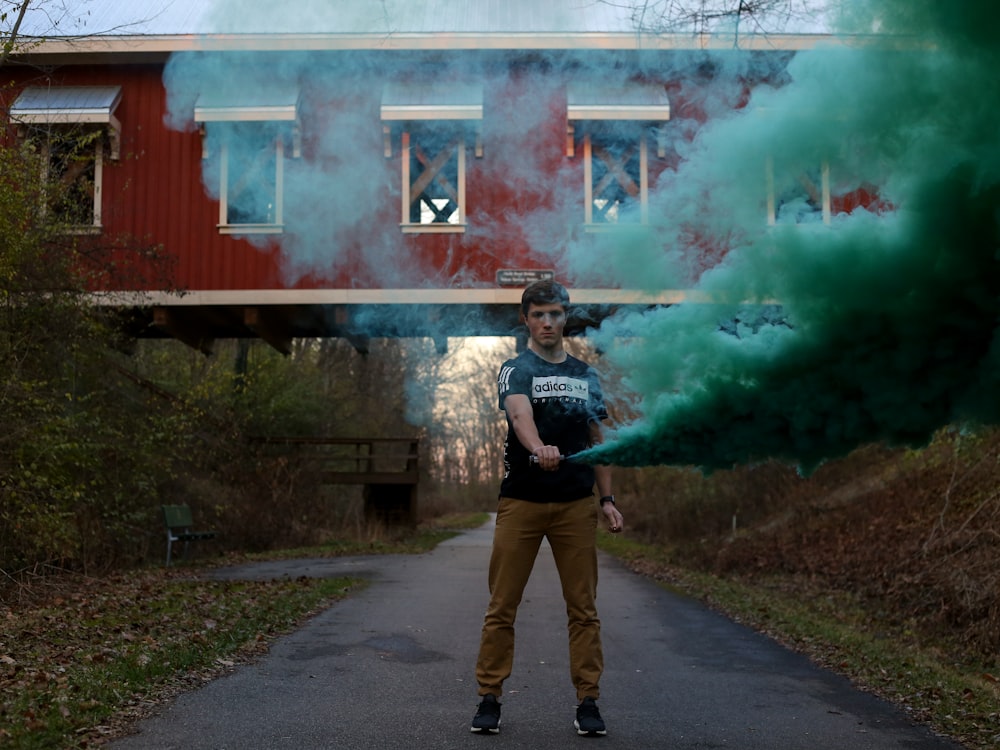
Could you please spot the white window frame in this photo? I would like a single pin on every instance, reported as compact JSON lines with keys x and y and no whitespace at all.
{"x":235,"y":106}
{"x":407,"y":198}
{"x":278,"y":225}
{"x":407,"y":109}
{"x":632,"y":105}
{"x":588,"y":182}
{"x":95,"y":225}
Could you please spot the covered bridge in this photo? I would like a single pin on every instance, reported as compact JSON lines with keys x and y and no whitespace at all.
{"x":367,"y":169}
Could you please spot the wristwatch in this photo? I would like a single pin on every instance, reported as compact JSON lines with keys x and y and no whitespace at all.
{"x":607,"y":499}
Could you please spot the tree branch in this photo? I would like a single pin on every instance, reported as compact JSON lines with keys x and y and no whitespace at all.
{"x":8,"y":45}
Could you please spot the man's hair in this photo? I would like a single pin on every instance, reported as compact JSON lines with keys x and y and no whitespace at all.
{"x":544,"y":292}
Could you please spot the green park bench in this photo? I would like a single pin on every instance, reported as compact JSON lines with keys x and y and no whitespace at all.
{"x":179,"y":523}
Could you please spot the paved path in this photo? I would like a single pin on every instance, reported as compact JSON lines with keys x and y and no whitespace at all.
{"x":392,"y":667}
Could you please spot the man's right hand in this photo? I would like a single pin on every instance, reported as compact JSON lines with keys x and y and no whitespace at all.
{"x":548,"y":457}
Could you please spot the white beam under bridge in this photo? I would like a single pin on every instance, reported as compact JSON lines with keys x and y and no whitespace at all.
{"x":277,"y":315}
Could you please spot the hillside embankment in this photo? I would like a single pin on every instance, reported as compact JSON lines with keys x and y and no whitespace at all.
{"x":897,"y":549}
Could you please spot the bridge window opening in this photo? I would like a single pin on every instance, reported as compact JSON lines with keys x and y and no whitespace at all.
{"x":433,"y":178}
{"x":804,"y":199}
{"x":73,"y":164}
{"x":615,"y":180}
{"x":616,"y":127}
{"x":247,"y":135}
{"x":74,"y":129}
{"x":435,"y":126}
{"x":251,"y":177}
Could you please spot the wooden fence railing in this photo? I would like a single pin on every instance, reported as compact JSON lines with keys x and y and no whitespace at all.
{"x":388,"y":468}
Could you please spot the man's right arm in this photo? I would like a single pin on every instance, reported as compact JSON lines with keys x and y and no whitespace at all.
{"x":522,"y":419}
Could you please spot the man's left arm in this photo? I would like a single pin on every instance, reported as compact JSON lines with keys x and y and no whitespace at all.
{"x":602,"y":476}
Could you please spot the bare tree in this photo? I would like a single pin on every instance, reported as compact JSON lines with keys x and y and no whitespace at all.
{"x":737,"y":17}
{"x":27,"y":23}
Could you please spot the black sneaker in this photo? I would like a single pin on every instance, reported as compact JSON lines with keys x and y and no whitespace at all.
{"x":588,"y":720}
{"x":487,"y":718}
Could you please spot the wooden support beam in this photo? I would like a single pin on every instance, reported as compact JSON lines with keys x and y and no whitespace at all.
{"x":182,"y":330}
{"x":266,"y":325}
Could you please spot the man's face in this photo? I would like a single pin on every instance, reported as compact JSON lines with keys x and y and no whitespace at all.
{"x":546,"y":323}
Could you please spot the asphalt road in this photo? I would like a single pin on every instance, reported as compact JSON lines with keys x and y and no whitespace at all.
{"x":392,"y":667}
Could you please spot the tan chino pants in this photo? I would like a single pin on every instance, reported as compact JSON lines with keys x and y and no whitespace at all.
{"x":571,"y":531}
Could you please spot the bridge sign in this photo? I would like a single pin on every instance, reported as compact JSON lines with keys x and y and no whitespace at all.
{"x":522,"y":276}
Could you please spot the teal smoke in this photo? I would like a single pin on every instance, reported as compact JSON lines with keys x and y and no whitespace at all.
{"x":888,"y":325}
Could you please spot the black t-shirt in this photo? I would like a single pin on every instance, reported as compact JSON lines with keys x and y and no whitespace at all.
{"x":565,"y":398}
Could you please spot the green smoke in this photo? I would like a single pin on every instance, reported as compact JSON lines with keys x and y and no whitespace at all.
{"x":888,"y":327}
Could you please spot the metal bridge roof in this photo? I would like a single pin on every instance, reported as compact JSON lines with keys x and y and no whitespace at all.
{"x":125,"y":25}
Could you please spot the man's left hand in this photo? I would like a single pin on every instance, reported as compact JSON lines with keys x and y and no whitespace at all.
{"x":613,"y":517}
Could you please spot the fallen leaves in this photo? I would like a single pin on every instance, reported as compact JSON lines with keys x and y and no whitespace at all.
{"x":85,"y":664}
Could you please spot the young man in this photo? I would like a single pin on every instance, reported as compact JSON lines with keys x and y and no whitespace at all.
{"x":554,"y":408}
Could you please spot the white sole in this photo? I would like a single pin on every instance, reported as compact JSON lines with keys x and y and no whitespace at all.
{"x":600,"y":733}
{"x":477,"y":730}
